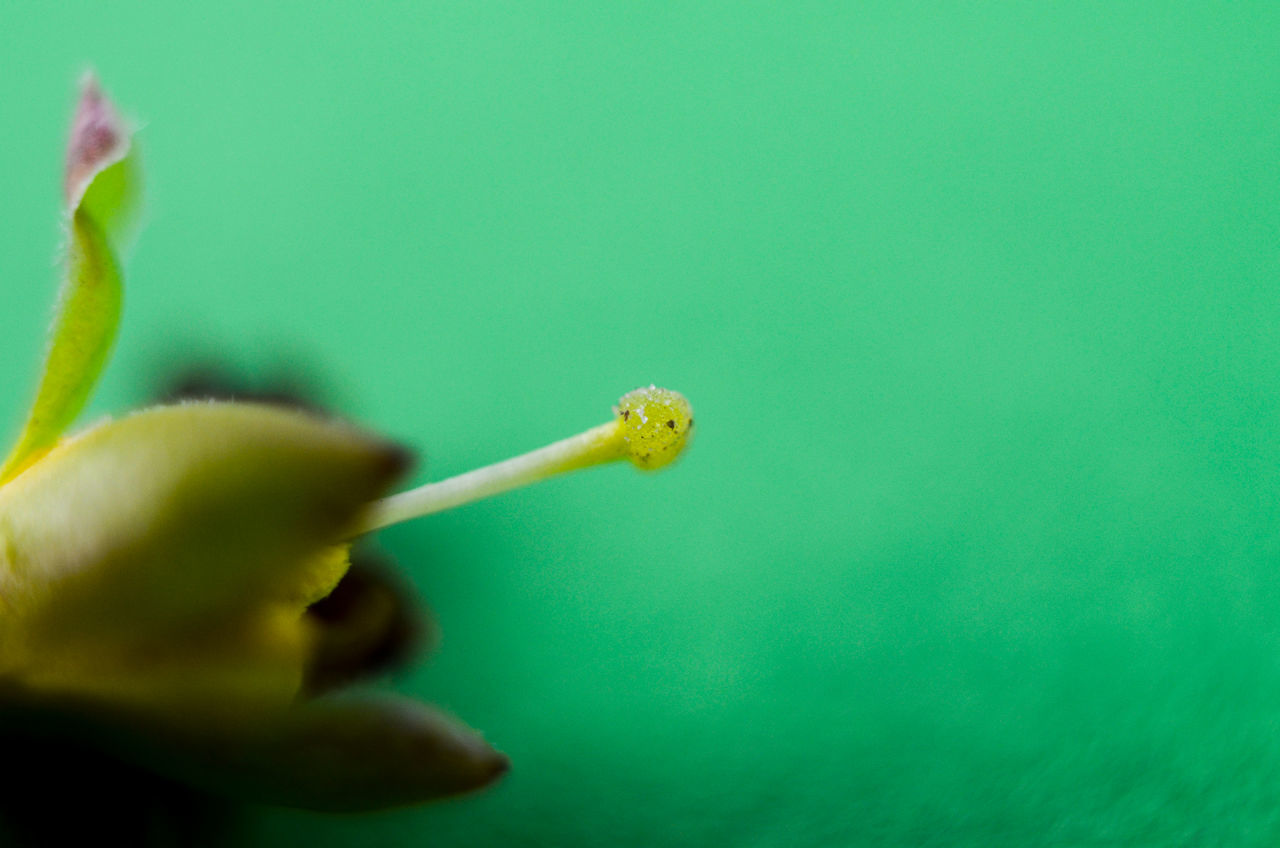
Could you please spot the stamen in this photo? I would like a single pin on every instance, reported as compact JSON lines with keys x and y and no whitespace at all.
{"x":650,"y":427}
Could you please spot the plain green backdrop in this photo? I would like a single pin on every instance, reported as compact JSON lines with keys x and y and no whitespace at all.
{"x":977,"y":304}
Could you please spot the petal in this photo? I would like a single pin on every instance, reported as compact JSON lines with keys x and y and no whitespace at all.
{"x":223,"y":675}
{"x":101,"y":191}
{"x":155,"y":536}
{"x":354,"y":754}
{"x":332,"y":754}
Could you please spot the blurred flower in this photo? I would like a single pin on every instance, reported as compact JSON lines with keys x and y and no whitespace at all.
{"x":167,"y":579}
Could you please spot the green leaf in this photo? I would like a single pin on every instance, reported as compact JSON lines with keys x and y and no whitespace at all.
{"x":82,"y":334}
{"x":114,"y":200}
{"x":102,"y":193}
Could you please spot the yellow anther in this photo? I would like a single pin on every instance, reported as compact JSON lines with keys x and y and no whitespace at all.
{"x":656,"y":425}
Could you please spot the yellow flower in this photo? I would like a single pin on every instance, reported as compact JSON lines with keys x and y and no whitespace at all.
{"x":156,"y":570}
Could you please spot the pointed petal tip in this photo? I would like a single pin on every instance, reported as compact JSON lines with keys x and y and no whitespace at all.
{"x":359,"y":754}
{"x":500,"y":764}
{"x":475,"y":763}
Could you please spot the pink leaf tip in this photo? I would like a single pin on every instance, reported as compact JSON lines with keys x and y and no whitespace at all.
{"x":98,"y":139}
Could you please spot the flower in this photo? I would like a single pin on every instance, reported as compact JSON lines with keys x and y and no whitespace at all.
{"x":159,"y":573}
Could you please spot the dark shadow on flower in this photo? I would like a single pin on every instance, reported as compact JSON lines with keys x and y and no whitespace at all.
{"x":64,"y":786}
{"x":208,"y":381}
{"x":369,"y":625}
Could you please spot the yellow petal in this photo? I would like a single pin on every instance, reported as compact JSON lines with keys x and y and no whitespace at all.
{"x":207,"y":676}
{"x":101,"y":192}
{"x":174,"y":523}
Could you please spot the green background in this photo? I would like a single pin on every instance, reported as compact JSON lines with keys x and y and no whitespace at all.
{"x":980,"y":540}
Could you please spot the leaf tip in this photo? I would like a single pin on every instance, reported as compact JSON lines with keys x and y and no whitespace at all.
{"x":99,"y":138}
